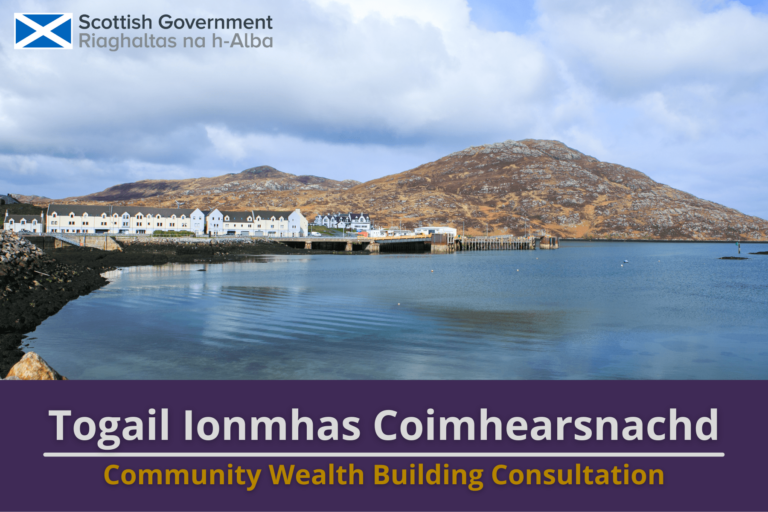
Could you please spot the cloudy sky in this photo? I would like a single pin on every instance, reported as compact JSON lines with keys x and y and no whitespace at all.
{"x":677,"y":89}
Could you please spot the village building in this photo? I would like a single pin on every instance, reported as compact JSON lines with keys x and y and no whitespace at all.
{"x":352,"y":221}
{"x":30,"y":223}
{"x":122,"y":220}
{"x":9,"y":199}
{"x":431,"y":230}
{"x":257,"y":223}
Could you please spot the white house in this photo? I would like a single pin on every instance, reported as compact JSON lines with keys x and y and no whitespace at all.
{"x":127,"y":220}
{"x":431,"y":230}
{"x":214,"y":223}
{"x":359,"y":222}
{"x":24,"y":223}
{"x":356,"y":221}
{"x":257,"y":223}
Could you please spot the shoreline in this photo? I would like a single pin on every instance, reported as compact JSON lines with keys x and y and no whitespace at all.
{"x":36,"y":291}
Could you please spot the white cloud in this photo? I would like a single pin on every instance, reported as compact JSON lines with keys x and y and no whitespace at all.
{"x":361,"y":89}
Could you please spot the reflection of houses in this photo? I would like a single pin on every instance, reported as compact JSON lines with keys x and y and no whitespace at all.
{"x":24,"y":223}
{"x":355,"y":221}
{"x":257,"y":223}
{"x":129,"y":220}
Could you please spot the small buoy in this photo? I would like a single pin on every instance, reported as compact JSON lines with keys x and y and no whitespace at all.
{"x":398,"y":303}
{"x":622,"y":265}
{"x":433,"y":271}
{"x":518,"y":270}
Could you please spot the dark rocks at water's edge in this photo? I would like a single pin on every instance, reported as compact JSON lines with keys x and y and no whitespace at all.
{"x":35,"y":286}
{"x":733,"y":258}
{"x":761,"y":252}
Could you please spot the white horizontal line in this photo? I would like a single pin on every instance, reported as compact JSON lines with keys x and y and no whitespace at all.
{"x":383,"y":455}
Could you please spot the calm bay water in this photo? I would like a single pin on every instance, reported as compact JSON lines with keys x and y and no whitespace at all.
{"x":675,"y":311}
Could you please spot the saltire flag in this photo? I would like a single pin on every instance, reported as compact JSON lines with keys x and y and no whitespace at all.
{"x":42,"y":31}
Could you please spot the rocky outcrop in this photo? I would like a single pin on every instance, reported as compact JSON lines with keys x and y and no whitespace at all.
{"x":32,"y":288}
{"x":15,"y":250}
{"x":33,"y":367}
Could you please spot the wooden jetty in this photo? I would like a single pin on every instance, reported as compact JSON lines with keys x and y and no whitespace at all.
{"x":496,"y":243}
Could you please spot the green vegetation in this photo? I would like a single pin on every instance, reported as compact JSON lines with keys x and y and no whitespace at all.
{"x":326,"y":231}
{"x":172,"y":233}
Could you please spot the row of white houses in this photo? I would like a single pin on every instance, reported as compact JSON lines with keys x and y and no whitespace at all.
{"x":142,"y":220}
{"x":353,"y":221}
{"x":29,"y":223}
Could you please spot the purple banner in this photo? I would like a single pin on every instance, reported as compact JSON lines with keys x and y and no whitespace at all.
{"x":605,"y":445}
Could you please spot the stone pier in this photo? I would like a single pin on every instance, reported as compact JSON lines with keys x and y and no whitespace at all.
{"x":374,"y":248}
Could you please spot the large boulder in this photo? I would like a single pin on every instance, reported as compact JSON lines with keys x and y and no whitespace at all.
{"x":33,"y":367}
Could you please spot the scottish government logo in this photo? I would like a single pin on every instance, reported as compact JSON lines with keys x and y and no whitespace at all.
{"x":43,"y":31}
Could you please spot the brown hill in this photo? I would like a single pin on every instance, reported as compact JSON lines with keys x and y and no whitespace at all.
{"x":495,"y":187}
{"x":254,"y":179}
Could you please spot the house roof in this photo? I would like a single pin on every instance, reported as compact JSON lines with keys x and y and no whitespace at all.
{"x":266,"y":214}
{"x":237,"y":216}
{"x":345,"y":215}
{"x":19,"y":218}
{"x":97,"y":210}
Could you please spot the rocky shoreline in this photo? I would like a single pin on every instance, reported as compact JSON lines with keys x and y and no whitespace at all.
{"x":36,"y":285}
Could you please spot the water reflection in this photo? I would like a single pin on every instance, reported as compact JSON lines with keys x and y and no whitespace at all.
{"x":675,"y":311}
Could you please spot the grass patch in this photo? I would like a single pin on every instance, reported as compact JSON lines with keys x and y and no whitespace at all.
{"x":172,"y":233}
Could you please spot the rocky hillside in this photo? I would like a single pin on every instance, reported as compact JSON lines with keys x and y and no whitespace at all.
{"x":494,"y":187}
{"x":256,"y":179}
